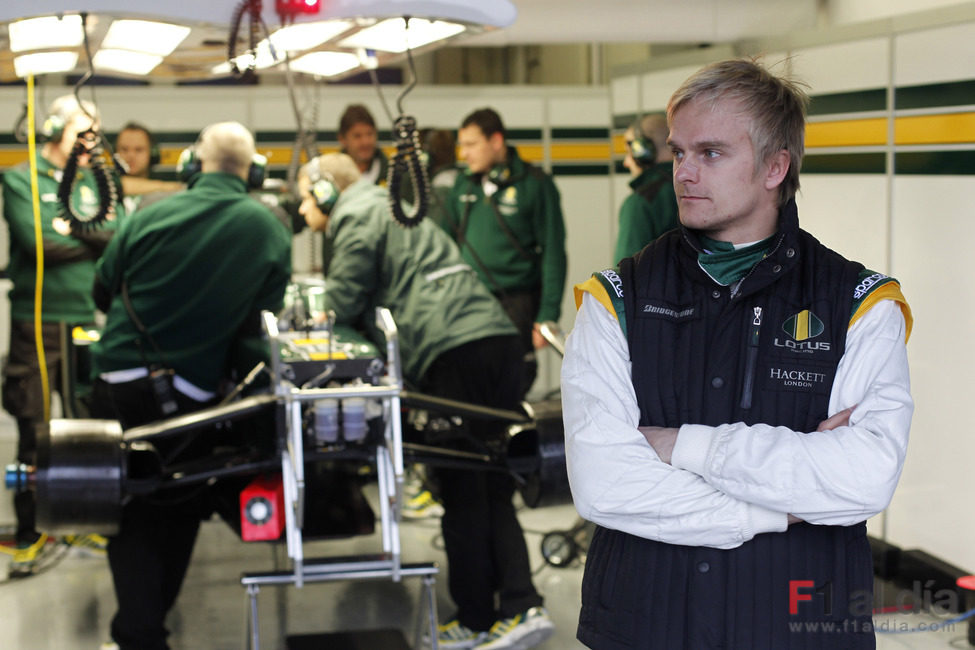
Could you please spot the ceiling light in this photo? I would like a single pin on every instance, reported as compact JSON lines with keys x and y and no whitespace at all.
{"x":245,"y":61}
{"x":44,"y":63}
{"x":393,"y":36}
{"x":137,"y":63}
{"x":42,"y":33}
{"x":145,"y":36}
{"x":325,"y":64}
{"x":304,"y":36}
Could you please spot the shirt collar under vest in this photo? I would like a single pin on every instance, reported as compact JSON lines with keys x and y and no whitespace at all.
{"x":780,"y":255}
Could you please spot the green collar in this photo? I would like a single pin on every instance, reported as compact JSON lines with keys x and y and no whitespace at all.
{"x":220,"y":181}
{"x":725,"y":264}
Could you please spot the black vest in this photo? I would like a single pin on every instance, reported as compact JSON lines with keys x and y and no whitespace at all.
{"x":762,"y":350}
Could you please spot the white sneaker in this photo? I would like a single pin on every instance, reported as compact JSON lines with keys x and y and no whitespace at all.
{"x":520,"y":632}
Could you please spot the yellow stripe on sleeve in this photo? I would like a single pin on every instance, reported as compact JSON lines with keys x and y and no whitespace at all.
{"x":595,"y":288}
{"x":888,"y":291}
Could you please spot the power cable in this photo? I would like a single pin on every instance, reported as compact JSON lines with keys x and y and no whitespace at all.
{"x":39,"y":254}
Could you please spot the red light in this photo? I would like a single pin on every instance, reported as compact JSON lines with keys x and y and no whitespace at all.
{"x":295,"y":7}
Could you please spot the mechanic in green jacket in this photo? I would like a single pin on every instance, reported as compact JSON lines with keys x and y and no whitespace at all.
{"x":196,"y":268}
{"x":69,"y":268}
{"x":651,"y":209}
{"x":455,"y":342}
{"x":506,"y":216}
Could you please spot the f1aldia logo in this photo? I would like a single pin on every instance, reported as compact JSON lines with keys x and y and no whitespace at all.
{"x":801,"y":327}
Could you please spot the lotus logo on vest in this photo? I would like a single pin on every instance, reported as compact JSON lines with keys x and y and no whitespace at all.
{"x":801,"y":327}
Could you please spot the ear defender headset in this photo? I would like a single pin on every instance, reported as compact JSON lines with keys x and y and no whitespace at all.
{"x":189,"y":165}
{"x":323,"y":188}
{"x":642,"y":148}
{"x":53,"y":127}
{"x":154,"y":155}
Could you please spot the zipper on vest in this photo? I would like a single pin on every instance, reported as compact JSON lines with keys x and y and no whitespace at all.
{"x":751,"y":359}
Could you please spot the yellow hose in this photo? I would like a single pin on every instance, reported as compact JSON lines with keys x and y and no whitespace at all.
{"x":39,"y":243}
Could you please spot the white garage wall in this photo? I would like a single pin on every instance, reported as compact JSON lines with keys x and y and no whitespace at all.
{"x":916,"y":227}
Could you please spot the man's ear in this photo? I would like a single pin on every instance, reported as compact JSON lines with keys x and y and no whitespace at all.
{"x":777,"y":167}
{"x":497,"y":141}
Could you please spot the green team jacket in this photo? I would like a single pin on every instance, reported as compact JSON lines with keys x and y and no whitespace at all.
{"x":528,"y":202}
{"x":199,"y":265}
{"x":69,"y":261}
{"x":417,"y":273}
{"x":648,"y":212}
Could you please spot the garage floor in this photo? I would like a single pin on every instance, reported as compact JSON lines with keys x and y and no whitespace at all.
{"x":68,"y":606}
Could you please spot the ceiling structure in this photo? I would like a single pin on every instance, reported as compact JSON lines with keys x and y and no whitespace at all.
{"x":486,"y":22}
{"x":351,"y":34}
{"x":650,"y":21}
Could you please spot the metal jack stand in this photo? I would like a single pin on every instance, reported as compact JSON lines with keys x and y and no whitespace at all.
{"x":389,"y":467}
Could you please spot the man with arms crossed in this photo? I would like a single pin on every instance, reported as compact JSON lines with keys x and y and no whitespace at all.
{"x":736,"y":401}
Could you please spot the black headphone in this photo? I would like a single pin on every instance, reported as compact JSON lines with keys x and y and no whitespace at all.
{"x":154,"y":155}
{"x":189,"y":165}
{"x":323,"y":188}
{"x":642,"y":148}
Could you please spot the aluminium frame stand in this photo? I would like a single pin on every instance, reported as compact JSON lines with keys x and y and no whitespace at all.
{"x":389,"y":470}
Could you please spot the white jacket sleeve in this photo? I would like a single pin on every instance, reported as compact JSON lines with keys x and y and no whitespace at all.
{"x":616,"y":478}
{"x":839,"y":477}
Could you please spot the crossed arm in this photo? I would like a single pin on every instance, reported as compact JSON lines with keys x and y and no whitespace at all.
{"x":720,"y":486}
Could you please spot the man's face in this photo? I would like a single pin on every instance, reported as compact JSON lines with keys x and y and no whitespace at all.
{"x":134,"y":148}
{"x":314,"y":217}
{"x":628,"y":162}
{"x":360,"y":143}
{"x":720,"y":189}
{"x":479,"y":152}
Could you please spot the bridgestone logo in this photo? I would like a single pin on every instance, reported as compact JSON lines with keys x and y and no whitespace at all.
{"x":866,"y":284}
{"x":664,"y":311}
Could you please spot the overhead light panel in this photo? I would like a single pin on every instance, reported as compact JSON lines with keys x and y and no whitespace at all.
{"x":325,"y":64}
{"x":44,"y":63}
{"x":392,"y":35}
{"x":46,"y":32}
{"x":305,"y":36}
{"x":145,"y":36}
{"x":137,"y":63}
{"x":294,"y":38}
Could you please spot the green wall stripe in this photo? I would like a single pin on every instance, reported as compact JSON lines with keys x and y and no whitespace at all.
{"x":845,"y":163}
{"x":524,"y":134}
{"x":588,"y":133}
{"x":851,"y":102}
{"x":935,"y":163}
{"x":581,"y":170}
{"x":958,"y":93}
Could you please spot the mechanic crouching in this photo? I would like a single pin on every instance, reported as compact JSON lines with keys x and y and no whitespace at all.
{"x":183,"y":284}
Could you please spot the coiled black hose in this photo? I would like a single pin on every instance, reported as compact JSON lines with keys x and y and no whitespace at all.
{"x":407,"y":160}
{"x":104,"y":183}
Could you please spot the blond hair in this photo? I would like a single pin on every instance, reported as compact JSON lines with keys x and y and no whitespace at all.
{"x":337,"y":167}
{"x":227,"y":147}
{"x":776,"y":105}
